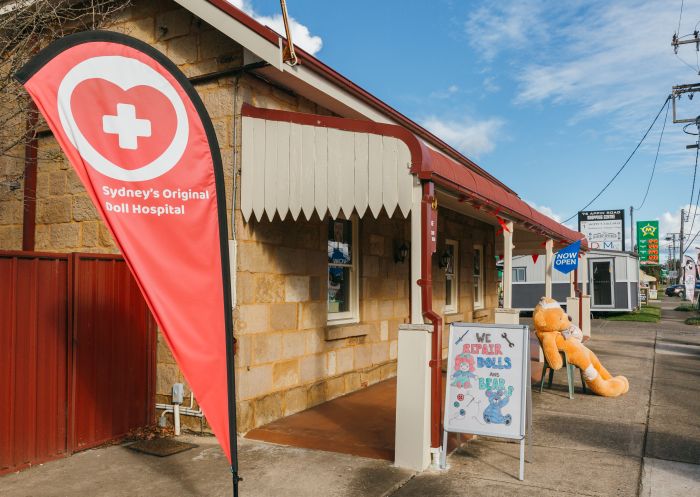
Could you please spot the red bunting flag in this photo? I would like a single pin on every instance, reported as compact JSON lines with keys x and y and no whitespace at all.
{"x":141,"y":142}
{"x":535,"y":257}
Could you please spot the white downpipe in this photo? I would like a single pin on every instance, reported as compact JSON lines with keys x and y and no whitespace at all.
{"x":178,"y":411}
{"x":508,"y":265}
{"x":548,"y":256}
{"x":176,"y":418}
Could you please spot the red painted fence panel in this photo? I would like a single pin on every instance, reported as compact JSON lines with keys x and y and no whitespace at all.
{"x":34,"y":359}
{"x":77,"y":355}
{"x":114,"y":352}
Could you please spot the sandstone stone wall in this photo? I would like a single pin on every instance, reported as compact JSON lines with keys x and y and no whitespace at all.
{"x":11,"y":195}
{"x":467,"y":232}
{"x":289,"y":358}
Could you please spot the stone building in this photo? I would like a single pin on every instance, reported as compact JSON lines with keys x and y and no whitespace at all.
{"x":328,"y":256}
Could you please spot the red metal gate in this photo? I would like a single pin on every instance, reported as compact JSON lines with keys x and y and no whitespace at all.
{"x":114,"y":352}
{"x":77,"y":355}
{"x":34,"y":358}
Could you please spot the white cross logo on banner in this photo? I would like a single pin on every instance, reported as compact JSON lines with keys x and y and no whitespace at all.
{"x":126,"y":73}
{"x":127,"y":126}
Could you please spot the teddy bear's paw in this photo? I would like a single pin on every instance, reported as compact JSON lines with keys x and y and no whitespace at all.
{"x":617,"y":386}
{"x":625,"y":381}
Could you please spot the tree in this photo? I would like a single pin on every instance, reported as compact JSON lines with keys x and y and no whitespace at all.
{"x":26,"y":26}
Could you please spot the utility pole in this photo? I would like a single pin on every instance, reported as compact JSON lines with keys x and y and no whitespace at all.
{"x":671,"y":237}
{"x":680,"y":254}
{"x":632,"y":249}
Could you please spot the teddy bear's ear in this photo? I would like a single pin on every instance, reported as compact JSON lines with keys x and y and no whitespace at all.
{"x":539,"y":319}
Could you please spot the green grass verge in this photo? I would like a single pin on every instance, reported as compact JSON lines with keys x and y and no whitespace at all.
{"x":694,"y":321}
{"x":686,"y":308}
{"x":647,"y":314}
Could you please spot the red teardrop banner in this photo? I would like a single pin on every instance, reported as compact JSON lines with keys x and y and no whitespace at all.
{"x":141,"y":142}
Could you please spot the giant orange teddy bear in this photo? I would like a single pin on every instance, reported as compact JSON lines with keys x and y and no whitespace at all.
{"x":554,"y":330}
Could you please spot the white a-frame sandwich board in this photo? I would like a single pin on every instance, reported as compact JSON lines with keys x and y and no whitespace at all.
{"x":488,"y":383}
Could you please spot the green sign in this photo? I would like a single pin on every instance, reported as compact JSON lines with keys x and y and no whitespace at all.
{"x":648,"y":242}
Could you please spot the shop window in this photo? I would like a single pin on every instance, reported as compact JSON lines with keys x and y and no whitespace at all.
{"x":343,"y":305}
{"x":518,"y":274}
{"x":451,"y":276}
{"x":478,"y":273}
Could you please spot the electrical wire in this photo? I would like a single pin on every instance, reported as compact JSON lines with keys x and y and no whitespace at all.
{"x":697,"y":199}
{"x":692,"y":189}
{"x":658,"y":147}
{"x":689,"y":244}
{"x":678,"y":31}
{"x":624,"y":164}
{"x":695,"y":69}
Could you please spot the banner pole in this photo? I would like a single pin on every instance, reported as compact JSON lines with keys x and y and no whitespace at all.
{"x":228,"y":317}
{"x":228,"y":300}
{"x":233,"y":442}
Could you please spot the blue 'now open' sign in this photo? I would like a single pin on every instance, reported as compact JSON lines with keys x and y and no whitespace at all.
{"x":566,"y":260}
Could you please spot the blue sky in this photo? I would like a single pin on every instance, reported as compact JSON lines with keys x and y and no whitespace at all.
{"x":548,"y":96}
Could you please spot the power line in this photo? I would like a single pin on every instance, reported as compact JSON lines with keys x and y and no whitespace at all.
{"x":695,"y":211}
{"x":689,"y":244}
{"x":658,"y":147}
{"x":692,"y":189}
{"x":678,"y":31}
{"x":625,"y":163}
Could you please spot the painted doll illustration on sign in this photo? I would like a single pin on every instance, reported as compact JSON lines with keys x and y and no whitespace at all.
{"x":463,"y":371}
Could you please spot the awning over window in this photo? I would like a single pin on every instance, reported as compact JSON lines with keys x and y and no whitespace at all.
{"x":291,"y":164}
{"x":294,"y":162}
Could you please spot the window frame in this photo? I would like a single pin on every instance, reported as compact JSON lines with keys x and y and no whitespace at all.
{"x":453,"y":308}
{"x":478,"y":297}
{"x":524,"y":269}
{"x":353,"y":314}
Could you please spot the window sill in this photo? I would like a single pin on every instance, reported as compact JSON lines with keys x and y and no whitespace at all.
{"x":339,"y":331}
{"x":453,"y":317}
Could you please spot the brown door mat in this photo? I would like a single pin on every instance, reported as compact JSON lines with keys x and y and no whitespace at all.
{"x":161,"y":447}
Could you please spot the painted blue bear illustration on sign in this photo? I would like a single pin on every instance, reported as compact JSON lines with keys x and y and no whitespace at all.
{"x":498,"y":399}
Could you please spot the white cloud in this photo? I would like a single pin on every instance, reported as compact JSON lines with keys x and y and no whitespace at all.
{"x":490,"y":85}
{"x":504,"y":25}
{"x":301,"y":35}
{"x":471,"y":137}
{"x":444,"y":94}
{"x":670,"y":222}
{"x":611,"y":59}
{"x":547,"y":211}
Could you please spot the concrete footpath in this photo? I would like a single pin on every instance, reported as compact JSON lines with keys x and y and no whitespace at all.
{"x":646,"y":443}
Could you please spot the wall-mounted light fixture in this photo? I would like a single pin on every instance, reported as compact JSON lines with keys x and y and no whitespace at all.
{"x":445,"y":260}
{"x":401,"y":253}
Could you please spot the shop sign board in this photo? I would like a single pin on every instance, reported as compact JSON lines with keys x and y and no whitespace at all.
{"x":488,"y":382}
{"x":604,"y":229}
{"x":648,"y":242}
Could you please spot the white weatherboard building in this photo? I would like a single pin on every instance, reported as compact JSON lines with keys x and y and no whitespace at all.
{"x":610,"y":277}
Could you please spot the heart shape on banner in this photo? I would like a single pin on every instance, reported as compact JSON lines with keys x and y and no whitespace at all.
{"x":96,"y":103}
{"x":128,"y":85}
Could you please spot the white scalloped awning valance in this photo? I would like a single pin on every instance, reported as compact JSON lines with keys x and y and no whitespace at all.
{"x":288,"y":168}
